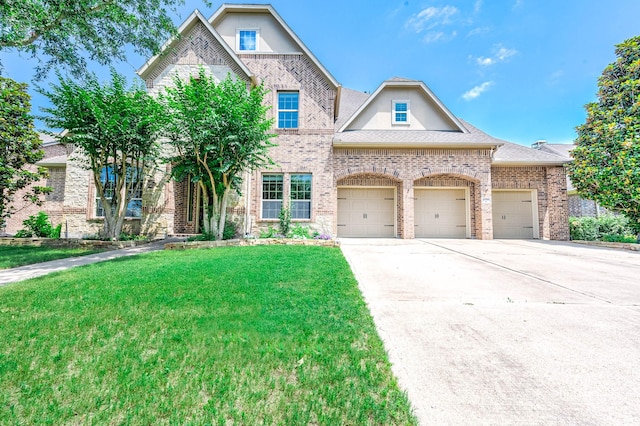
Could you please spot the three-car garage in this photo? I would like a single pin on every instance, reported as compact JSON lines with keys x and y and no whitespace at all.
{"x":439,"y":212}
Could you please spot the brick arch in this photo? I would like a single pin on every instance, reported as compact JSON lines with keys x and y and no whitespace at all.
{"x":369,"y":170}
{"x":459,"y":172}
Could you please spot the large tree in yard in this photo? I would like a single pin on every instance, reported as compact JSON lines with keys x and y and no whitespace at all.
{"x":19,"y":147}
{"x":69,"y":32}
{"x":218,"y":130}
{"x":606,"y":164}
{"x":115,"y":130}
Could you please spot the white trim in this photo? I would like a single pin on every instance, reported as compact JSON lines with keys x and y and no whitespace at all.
{"x":394,"y":120}
{"x":257,"y":31}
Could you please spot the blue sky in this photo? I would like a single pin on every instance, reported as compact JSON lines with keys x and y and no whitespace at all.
{"x":520,"y":70}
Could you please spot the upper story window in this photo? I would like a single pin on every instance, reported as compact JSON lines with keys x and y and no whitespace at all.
{"x":247,"y":40}
{"x":288,"y":110}
{"x":400,"y":112}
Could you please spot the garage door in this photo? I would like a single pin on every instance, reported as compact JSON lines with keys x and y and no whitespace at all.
{"x":440,"y":213}
{"x":366,"y":212}
{"x":513,"y":214}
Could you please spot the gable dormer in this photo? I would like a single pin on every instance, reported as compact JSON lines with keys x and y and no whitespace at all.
{"x":402,"y":104}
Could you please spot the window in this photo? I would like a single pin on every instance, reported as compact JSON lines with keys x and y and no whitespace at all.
{"x":108,"y":179}
{"x":272,"y":187}
{"x":400,"y":112}
{"x":247,"y":40}
{"x":301,"y":196}
{"x":288,"y":110}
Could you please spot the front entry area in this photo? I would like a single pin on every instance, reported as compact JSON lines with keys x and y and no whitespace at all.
{"x":441,"y":213}
{"x":366,"y":212}
{"x":514,"y":214}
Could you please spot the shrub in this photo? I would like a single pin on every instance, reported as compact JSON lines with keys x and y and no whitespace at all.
{"x":270,"y":232}
{"x":300,"y":232}
{"x":39,"y":226}
{"x":228,"y":233}
{"x":285,"y":219}
{"x":604,"y":228}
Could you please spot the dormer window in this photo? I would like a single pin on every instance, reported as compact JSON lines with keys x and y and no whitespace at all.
{"x":400,"y":112}
{"x":247,"y":40}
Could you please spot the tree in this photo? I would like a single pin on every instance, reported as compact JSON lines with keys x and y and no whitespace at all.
{"x":19,"y":147}
{"x":606,"y":164}
{"x":218,"y":131}
{"x":116,"y":130}
{"x":69,"y":31}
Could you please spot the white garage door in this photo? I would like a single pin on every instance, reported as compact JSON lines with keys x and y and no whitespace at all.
{"x":440,"y":213}
{"x":366,"y":212}
{"x":513,"y":214}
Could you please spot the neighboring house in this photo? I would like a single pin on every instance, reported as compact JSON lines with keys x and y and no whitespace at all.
{"x":394,"y":163}
{"x":578,"y":206}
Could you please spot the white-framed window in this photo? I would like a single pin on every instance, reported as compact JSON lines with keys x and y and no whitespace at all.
{"x":272,"y":195}
{"x":288,"y":109}
{"x":247,"y":40}
{"x":400,"y":112}
{"x":108,"y":180}
{"x":301,"y":196}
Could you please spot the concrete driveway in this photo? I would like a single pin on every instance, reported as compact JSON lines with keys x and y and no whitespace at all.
{"x":507,"y":331}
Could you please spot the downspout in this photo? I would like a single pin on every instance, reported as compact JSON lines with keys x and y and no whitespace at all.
{"x":247,"y":212}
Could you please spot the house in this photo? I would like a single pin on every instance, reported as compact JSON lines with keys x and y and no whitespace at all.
{"x":578,"y":206}
{"x":394,"y":163}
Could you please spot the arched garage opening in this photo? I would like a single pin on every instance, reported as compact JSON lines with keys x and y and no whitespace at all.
{"x":369,"y":206}
{"x":446,"y":206}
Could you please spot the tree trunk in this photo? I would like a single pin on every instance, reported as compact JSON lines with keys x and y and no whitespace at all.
{"x":223,"y":213}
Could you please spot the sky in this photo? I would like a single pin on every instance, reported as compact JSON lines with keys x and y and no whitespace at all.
{"x":520,"y":70}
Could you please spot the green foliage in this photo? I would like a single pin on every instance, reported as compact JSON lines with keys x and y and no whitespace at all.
{"x":228,"y":234}
{"x":285,"y":219}
{"x":606,"y":165}
{"x":604,"y":228}
{"x":19,"y":148}
{"x":270,"y":232}
{"x":39,"y":226}
{"x":67,"y":32}
{"x":276,"y":335}
{"x":301,"y":232}
{"x":219,"y":131}
{"x":115,"y":129}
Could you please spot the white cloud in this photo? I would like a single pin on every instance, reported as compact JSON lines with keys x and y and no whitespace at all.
{"x":477,"y":91}
{"x":517,"y":4}
{"x":478,"y":31}
{"x":500,"y":54}
{"x":477,"y":6}
{"x":431,"y":17}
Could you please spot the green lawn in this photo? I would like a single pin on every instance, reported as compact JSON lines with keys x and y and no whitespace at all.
{"x":237,"y":335}
{"x":14,"y":256}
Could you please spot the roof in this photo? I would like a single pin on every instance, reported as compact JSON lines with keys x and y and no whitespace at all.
{"x":186,"y":26}
{"x":350,"y":101}
{"x":517,"y":155}
{"x":58,"y":161}
{"x":470,"y":138}
{"x":404,"y":82}
{"x":562,"y":149}
{"x":267,"y":8}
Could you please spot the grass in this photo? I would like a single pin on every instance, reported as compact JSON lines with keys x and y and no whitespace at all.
{"x":235,"y":335}
{"x":14,"y":256}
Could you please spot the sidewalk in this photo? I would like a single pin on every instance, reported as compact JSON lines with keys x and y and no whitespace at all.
{"x":38,"y":269}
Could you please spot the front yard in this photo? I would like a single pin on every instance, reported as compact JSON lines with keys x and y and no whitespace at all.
{"x":14,"y":256}
{"x":236,"y":335}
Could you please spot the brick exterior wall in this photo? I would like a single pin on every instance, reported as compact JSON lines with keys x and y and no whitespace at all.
{"x":551,"y":186}
{"x":422,"y":167}
{"x":52,"y":203}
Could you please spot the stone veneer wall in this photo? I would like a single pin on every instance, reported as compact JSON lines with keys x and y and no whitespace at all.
{"x":551,"y":186}
{"x":412,"y":166}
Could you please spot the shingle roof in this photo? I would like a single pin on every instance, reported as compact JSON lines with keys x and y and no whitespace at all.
{"x":514,"y":154}
{"x":562,"y":149}
{"x":350,"y":101}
